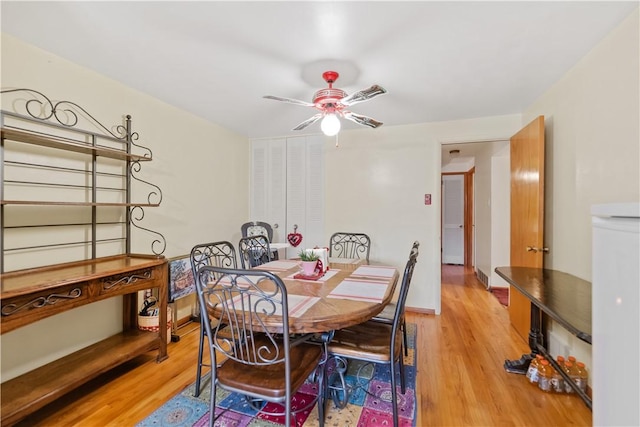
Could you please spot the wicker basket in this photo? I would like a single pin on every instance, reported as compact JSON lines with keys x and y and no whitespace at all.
{"x":151,"y":323}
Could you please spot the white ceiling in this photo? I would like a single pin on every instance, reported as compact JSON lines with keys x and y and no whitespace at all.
{"x":437,"y":60}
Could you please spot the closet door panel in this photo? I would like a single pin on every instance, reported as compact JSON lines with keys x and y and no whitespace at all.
{"x":296,"y":191}
{"x":314,"y":198}
{"x":287,"y":188}
{"x":268,"y":184}
{"x":259,"y":172}
{"x":277,"y":190}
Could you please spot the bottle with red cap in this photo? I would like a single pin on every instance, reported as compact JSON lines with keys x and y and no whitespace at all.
{"x":557,"y":382}
{"x":545,"y":375}
{"x":582,"y":376}
{"x":532,"y":372}
{"x":571,"y":371}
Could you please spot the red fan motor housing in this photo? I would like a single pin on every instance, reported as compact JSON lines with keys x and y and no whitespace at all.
{"x":326,"y":97}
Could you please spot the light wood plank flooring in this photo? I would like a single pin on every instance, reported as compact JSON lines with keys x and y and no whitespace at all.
{"x":460,"y":377}
{"x":461,"y":381}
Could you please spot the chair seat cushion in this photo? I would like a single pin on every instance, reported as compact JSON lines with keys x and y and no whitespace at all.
{"x":269,"y":380}
{"x":367,"y":341}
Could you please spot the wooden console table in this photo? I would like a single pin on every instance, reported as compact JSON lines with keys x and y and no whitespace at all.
{"x":30,"y":295}
{"x":561,"y":296}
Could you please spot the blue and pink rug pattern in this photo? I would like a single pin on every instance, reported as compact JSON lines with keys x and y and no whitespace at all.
{"x":370,"y":409}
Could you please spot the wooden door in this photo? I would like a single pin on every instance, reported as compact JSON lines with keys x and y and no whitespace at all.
{"x":453,"y":219}
{"x":527,"y":213}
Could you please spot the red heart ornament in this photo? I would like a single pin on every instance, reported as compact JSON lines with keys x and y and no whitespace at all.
{"x":294,"y":238}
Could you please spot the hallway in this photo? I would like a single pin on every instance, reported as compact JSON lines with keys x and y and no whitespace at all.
{"x":460,"y":357}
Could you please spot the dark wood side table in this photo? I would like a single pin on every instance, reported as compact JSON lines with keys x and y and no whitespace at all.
{"x":564,"y":298}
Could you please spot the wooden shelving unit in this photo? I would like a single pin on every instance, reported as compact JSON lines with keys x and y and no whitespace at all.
{"x":40,"y":291}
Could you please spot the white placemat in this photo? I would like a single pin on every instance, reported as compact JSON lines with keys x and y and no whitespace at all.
{"x":297,"y":304}
{"x":374,"y":271}
{"x":280,"y":265}
{"x":360,"y":290}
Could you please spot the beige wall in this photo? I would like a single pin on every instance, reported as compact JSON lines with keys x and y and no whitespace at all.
{"x":500,"y":212}
{"x":190,"y":157}
{"x":592,"y":142}
{"x":482,"y":207}
{"x":376,"y":182}
{"x":593,"y":152}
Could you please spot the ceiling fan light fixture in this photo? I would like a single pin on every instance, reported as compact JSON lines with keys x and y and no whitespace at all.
{"x":330,"y":125}
{"x":333,"y":104}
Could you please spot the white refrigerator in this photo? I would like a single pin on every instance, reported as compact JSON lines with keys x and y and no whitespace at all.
{"x":616,"y":314}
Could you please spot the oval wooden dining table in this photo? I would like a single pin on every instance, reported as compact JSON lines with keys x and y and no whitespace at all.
{"x":337,"y":300}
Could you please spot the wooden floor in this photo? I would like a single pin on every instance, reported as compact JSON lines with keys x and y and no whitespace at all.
{"x":460,"y":379}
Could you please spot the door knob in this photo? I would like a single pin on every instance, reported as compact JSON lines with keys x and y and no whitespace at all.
{"x":534,"y":249}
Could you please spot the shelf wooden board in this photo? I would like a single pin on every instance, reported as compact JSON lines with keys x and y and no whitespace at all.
{"x":68,"y":144}
{"x":53,"y":203}
{"x":27,"y":281}
{"x":31,"y":391}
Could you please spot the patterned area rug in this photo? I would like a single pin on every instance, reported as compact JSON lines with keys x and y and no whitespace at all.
{"x":369,"y":404}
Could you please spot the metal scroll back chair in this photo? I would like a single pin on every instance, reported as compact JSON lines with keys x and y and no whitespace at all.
{"x":254,"y":251}
{"x":255,"y":228}
{"x":350,"y":245}
{"x":376,"y":342}
{"x":386,"y":315}
{"x":262,"y":361}
{"x":216,"y":254}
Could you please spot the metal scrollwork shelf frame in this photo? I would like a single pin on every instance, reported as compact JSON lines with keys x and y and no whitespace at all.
{"x":41,"y":301}
{"x":31,"y":111}
{"x":110,"y":283}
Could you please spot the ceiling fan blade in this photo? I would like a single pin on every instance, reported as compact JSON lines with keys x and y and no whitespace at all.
{"x":309,"y":121}
{"x":363,"y":95}
{"x":361,"y":120}
{"x":289,"y":100}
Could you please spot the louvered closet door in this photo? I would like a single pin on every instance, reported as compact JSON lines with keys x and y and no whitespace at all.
{"x":305,"y":191}
{"x":268,"y":184}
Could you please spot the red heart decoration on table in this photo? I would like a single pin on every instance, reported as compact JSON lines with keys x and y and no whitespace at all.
{"x":294,"y":238}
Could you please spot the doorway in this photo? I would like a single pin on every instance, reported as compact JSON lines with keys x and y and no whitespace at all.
{"x":457,"y":218}
{"x":453,"y":219}
{"x":484,"y":168}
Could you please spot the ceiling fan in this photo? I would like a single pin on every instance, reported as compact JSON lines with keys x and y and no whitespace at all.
{"x":332,"y":104}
